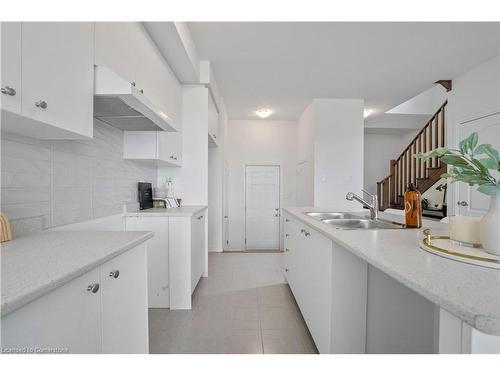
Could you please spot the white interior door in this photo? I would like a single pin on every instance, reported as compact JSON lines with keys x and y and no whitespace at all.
{"x":262,"y":207}
{"x":470,"y":201}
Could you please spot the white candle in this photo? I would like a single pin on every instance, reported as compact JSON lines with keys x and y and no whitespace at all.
{"x":465,"y":229}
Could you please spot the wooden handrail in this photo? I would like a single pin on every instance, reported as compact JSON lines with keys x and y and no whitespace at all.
{"x":424,"y":128}
{"x":405,"y":168}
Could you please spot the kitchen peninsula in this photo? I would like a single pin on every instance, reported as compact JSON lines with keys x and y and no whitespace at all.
{"x":354,"y":270}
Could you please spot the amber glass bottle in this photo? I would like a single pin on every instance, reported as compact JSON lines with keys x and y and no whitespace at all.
{"x":413,"y":207}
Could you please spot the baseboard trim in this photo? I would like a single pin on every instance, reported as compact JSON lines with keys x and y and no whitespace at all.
{"x":215,"y":250}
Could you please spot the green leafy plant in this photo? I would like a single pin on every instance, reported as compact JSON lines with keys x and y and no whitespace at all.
{"x":470,"y":164}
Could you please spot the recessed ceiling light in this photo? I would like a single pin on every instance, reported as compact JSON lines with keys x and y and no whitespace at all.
{"x":367,"y":112}
{"x":264,"y":112}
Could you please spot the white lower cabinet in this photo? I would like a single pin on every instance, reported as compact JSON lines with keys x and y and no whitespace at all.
{"x":158,"y":257}
{"x":67,"y":319}
{"x":124,"y":303}
{"x":197,"y":249}
{"x":177,"y":257}
{"x":94,"y":313}
{"x":326,"y":280}
{"x":188,"y":257}
{"x":458,"y":337}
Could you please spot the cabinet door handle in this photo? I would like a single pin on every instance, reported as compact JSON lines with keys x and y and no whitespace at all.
{"x":302,"y":231}
{"x":200,"y":217}
{"x":462,"y":203}
{"x":287,"y":235}
{"x":306,"y":233}
{"x":94,"y":287}
{"x":114,"y":274}
{"x":286,"y":269}
{"x":7,"y":90}
{"x":287,"y":250}
{"x":41,"y":104}
{"x":287,"y":220}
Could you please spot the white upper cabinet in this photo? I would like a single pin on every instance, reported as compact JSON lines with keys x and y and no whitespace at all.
{"x":127,"y":49}
{"x":170,"y":148}
{"x":213,"y":123}
{"x":11,"y":66}
{"x":157,"y":147}
{"x":53,"y":61}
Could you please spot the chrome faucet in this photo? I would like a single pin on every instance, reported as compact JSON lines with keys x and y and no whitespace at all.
{"x":373,"y":206}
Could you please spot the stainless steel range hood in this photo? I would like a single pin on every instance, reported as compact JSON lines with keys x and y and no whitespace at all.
{"x":119,"y":103}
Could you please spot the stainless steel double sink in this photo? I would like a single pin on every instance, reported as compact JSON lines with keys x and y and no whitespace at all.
{"x":347,"y":220}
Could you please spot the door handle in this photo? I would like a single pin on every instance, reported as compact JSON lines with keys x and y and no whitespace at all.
{"x":7,"y":90}
{"x":114,"y":274}
{"x":41,"y":104}
{"x":462,"y":203}
{"x":93,"y":288}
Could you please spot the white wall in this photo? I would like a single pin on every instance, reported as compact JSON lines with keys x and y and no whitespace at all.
{"x":257,"y":142}
{"x":379,"y":149}
{"x":191,"y":180}
{"x":475,"y":93}
{"x":47,"y":184}
{"x":305,"y":159}
{"x":338,"y":151}
{"x":215,"y":187}
{"x":426,"y":102}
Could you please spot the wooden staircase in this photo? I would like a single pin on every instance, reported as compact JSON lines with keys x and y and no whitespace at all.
{"x":406,"y":168}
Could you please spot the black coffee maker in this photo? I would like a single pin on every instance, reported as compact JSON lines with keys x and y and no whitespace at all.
{"x":145,"y":195}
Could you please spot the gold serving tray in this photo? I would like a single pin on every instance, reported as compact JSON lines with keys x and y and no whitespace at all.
{"x":443,"y":246}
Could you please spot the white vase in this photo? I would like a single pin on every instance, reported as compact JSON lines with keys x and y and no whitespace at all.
{"x":489,"y":227}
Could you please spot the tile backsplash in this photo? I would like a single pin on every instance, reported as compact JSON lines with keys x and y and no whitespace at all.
{"x":51,"y":183}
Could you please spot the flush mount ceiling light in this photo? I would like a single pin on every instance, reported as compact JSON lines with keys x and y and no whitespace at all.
{"x":367,"y":112}
{"x":264,"y":112}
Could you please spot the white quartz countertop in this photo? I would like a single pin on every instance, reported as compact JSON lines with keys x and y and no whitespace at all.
{"x":37,"y":264}
{"x":470,"y":292}
{"x":176,"y":211}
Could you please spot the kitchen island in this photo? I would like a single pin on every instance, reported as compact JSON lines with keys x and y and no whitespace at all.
{"x":77,"y":291}
{"x":466,"y":297}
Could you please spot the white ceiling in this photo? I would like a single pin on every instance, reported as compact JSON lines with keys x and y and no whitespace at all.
{"x":284,"y":65}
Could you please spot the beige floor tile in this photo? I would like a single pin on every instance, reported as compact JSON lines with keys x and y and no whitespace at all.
{"x":282,"y":341}
{"x":244,"y":306}
{"x":279,"y":318}
{"x":278,"y":295}
{"x":243,"y":342}
{"x":242,"y":318}
{"x":242,"y":298}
